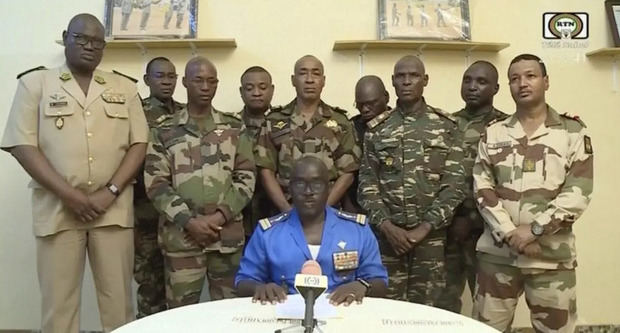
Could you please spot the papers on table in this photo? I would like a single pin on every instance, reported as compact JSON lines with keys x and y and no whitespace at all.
{"x":294,"y":308}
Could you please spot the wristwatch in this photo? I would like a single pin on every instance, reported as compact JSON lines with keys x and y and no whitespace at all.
{"x":113,"y":188}
{"x":537,"y":229}
{"x":365,"y":284}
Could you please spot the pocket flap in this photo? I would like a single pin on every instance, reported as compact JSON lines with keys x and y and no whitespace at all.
{"x":116,"y":110}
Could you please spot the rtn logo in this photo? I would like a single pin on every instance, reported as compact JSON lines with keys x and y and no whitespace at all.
{"x":565,"y":26}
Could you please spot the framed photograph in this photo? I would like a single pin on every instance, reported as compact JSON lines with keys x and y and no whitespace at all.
{"x":424,"y":19}
{"x":613,"y":16}
{"x":151,"y":19}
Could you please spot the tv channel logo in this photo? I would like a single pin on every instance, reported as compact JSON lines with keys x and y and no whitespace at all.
{"x":565,"y":25}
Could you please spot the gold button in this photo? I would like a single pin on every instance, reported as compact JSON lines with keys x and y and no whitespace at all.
{"x":90,"y":182}
{"x":90,"y":159}
{"x":88,"y":113}
{"x":89,"y":134}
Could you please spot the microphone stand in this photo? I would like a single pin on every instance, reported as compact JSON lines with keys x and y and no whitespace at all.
{"x":308,"y":323}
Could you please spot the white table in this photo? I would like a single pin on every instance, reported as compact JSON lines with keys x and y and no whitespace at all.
{"x":241,"y":315}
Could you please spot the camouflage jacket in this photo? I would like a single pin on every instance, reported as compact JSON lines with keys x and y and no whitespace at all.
{"x":157,"y":114}
{"x":412,"y":171}
{"x":472,"y":127}
{"x":328,"y":135}
{"x":189,"y":171}
{"x":545,"y":179}
{"x":253,"y":124}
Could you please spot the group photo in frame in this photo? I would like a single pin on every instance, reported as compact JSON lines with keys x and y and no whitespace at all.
{"x":612,"y":8}
{"x":424,"y":19}
{"x":151,"y":19}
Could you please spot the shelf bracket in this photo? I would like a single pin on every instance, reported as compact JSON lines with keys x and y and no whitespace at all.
{"x":194,"y":49}
{"x":361,"y":58}
{"x":468,"y":56}
{"x":420,"y":49}
{"x":614,"y":74}
{"x":142,"y":48}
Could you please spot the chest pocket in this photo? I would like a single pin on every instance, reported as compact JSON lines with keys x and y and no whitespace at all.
{"x":217,"y":152}
{"x":57,"y":112}
{"x":390,"y":156}
{"x":435,"y":154}
{"x":183,"y":159}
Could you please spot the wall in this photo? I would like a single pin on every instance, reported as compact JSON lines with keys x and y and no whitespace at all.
{"x":274,"y":33}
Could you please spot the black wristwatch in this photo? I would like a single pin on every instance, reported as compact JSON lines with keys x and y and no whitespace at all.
{"x":113,"y":188}
{"x":365,"y":284}
{"x":537,"y":229}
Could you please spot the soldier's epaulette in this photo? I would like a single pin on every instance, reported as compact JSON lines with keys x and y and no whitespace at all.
{"x":163,"y":119}
{"x":496,"y":120}
{"x":276,"y":108}
{"x":30,"y":70}
{"x":269,"y":222}
{"x":358,"y":218}
{"x":125,"y":75}
{"x":339,"y":110}
{"x":573,"y":117}
{"x":444,"y":114}
{"x":372,"y":123}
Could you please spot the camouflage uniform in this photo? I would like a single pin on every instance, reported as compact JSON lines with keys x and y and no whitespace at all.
{"x":148,"y":260}
{"x":197,"y":166}
{"x":461,"y":256}
{"x":286,"y":137}
{"x":260,"y":206}
{"x":546,"y":179}
{"x":412,"y":173}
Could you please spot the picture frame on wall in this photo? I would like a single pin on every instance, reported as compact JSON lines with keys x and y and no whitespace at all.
{"x":424,"y":19}
{"x":612,"y":7}
{"x":151,"y":19}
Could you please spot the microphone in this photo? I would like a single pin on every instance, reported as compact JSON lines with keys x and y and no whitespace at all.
{"x":310,"y":284}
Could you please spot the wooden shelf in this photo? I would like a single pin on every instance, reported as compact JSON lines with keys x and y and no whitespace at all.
{"x":419,"y":45}
{"x":143,"y":44}
{"x":609,"y":51}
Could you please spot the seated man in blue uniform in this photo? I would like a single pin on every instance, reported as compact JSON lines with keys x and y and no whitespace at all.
{"x":342,"y":243}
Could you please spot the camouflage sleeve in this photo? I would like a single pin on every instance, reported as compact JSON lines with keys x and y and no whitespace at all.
{"x":265,"y":152}
{"x":452,"y":187}
{"x":158,"y":183}
{"x":347,"y":155}
{"x":240,"y":192}
{"x":576,"y":192}
{"x":493,"y":212}
{"x":369,"y":195}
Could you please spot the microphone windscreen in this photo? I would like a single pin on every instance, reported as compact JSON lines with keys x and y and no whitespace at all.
{"x":311,"y":267}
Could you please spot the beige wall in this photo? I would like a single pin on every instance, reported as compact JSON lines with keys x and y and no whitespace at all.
{"x":273,"y":34}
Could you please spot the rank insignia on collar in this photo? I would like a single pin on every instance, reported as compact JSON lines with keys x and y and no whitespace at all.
{"x":389,"y":161}
{"x":331,"y":123}
{"x":99,"y":79}
{"x":529,"y":165}
{"x":218,"y":132}
{"x":280,"y":124}
{"x":57,"y":97}
{"x":65,"y":76}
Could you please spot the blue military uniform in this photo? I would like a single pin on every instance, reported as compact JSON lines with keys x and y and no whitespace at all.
{"x":278,"y":249}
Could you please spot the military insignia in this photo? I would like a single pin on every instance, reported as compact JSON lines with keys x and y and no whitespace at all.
{"x":359,"y":218}
{"x":113,"y":98}
{"x":30,"y":70}
{"x":58,"y":104}
{"x":587,"y":144}
{"x":218,"y":132}
{"x":389,"y":161}
{"x":267,"y":223}
{"x":573,"y":117}
{"x":60,"y":122}
{"x":379,"y":119}
{"x":345,"y":260}
{"x":433,"y":176}
{"x":342,"y":244}
{"x":280,"y":125}
{"x":502,"y":144}
{"x":125,"y":76}
{"x":529,"y":165}
{"x":99,"y":79}
{"x":57,"y":97}
{"x":331,"y":124}
{"x":65,"y":76}
{"x":162,"y":118}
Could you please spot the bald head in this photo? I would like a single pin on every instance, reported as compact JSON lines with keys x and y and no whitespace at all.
{"x":199,"y":61}
{"x":479,"y":86}
{"x":201,"y":82}
{"x":306,"y":60}
{"x":82,"y":19}
{"x":371,"y":98}
{"x":84,"y":43}
{"x":303,"y":165}
{"x":308,"y":79}
{"x":409,"y":80}
{"x":410,"y":60}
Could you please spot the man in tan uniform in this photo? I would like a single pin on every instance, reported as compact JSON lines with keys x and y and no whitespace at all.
{"x":80,"y":133}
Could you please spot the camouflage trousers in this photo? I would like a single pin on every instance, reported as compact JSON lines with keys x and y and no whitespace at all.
{"x":550,"y":296}
{"x":185,"y":276}
{"x":461,"y":268}
{"x":418,"y":276}
{"x":148,"y":264}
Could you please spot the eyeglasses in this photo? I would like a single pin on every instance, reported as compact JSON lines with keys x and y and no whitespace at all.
{"x":314,"y":185}
{"x":97,"y":44}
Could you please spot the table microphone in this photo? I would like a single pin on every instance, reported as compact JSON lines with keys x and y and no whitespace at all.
{"x":310,"y":284}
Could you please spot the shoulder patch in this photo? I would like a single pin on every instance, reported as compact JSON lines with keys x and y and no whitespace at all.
{"x":125,"y":75}
{"x":573,"y":117}
{"x":444,"y":114}
{"x":269,"y":222}
{"x":358,"y":218}
{"x":30,"y":70}
{"x":379,"y":119}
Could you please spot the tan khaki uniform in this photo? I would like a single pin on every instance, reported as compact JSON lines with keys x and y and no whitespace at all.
{"x":85,"y":139}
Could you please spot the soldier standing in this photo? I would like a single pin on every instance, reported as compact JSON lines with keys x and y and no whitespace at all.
{"x":306,"y":126}
{"x":81,"y":135}
{"x":411,"y":180}
{"x":256,"y":92}
{"x":159,"y":108}
{"x":533,"y":179}
{"x":199,"y":174}
{"x":478,"y":87}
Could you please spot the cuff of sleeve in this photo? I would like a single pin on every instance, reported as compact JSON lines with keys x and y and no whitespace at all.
{"x":225,"y":210}
{"x":181,"y":219}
